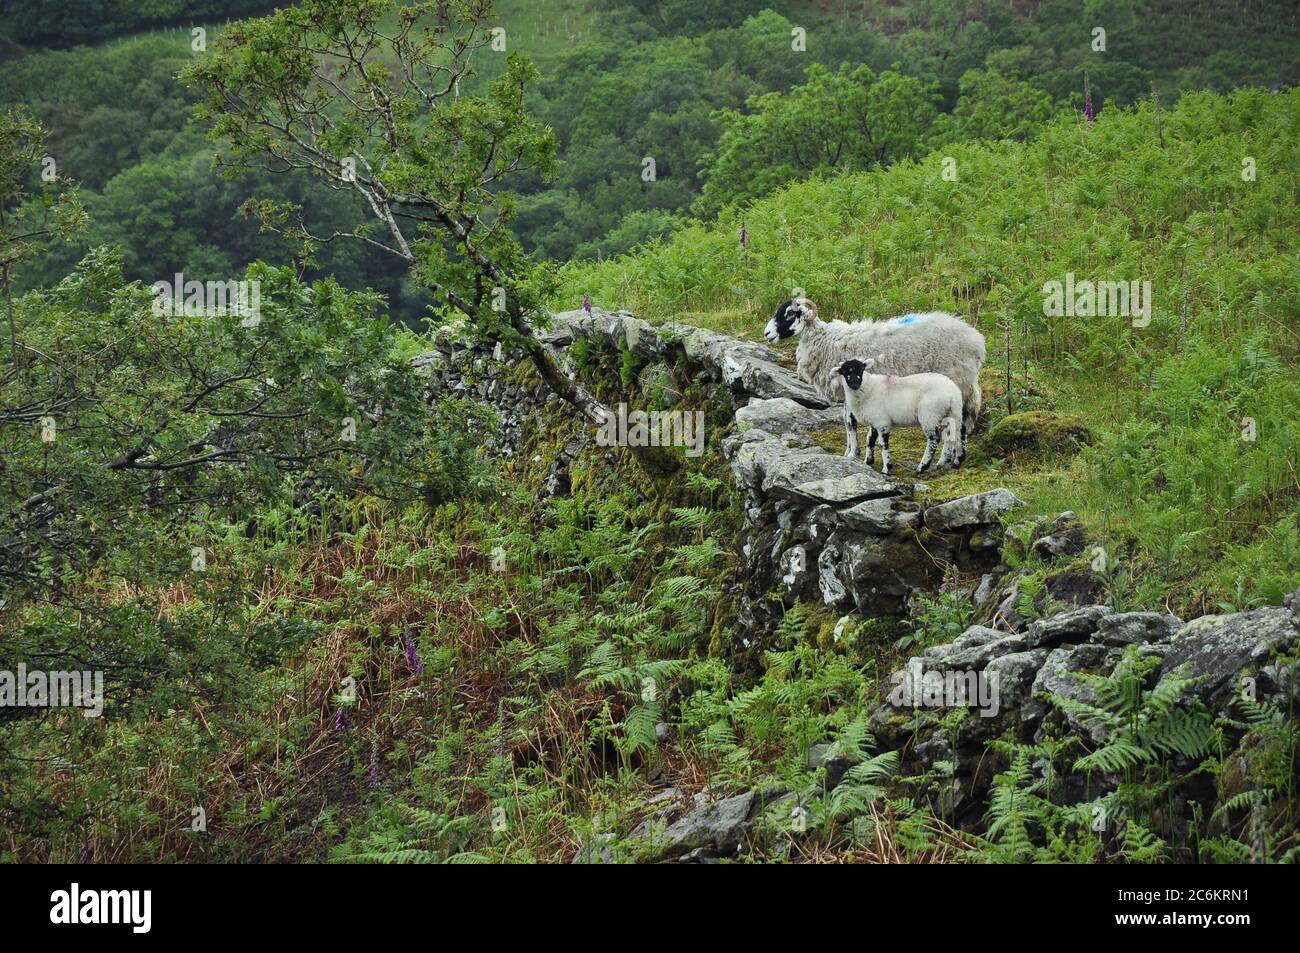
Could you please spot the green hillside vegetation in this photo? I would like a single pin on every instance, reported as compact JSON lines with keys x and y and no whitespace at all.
{"x":1194,"y":513}
{"x":501,"y":715}
{"x":324,"y":643}
{"x":681,"y":83}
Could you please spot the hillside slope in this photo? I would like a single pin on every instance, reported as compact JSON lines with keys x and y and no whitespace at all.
{"x":1192,"y":484}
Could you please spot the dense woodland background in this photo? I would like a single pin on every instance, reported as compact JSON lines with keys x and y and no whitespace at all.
{"x":481,"y":689}
{"x":684,"y":83}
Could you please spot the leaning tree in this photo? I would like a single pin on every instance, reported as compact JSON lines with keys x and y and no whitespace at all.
{"x":374,"y":97}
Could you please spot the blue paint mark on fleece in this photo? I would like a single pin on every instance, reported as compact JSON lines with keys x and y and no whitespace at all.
{"x":908,"y":319}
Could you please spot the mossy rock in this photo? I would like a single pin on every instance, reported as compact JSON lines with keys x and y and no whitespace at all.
{"x":1036,"y":433}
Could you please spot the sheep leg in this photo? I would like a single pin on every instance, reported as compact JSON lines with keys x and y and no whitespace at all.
{"x":871,"y":446}
{"x":970,"y":409}
{"x":884,"y":450}
{"x":959,"y":454}
{"x":931,"y":442}
{"x":850,"y":434}
{"x":951,"y":428}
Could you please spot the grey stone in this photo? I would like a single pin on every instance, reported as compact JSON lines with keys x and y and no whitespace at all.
{"x":845,"y":489}
{"x":1073,"y":626}
{"x":980,"y":509}
{"x":820,"y":523}
{"x":798,"y":571}
{"x":937,"y":747}
{"x":833,"y":591}
{"x":1056,"y":677}
{"x":1005,"y":600}
{"x":973,"y":637}
{"x":788,"y":515}
{"x":826,"y":755}
{"x":1292,"y":602}
{"x":748,"y":454}
{"x":760,"y":462}
{"x":711,"y":348}
{"x":782,"y":415}
{"x":1073,"y":588}
{"x":642,"y":339}
{"x":1066,"y":537}
{"x":702,"y":855}
{"x":756,"y":377}
{"x":557,"y":335}
{"x":1219,"y":650}
{"x":721,"y":825}
{"x":880,"y":572}
{"x":597,"y":850}
{"x":1015,"y":676}
{"x":973,"y":649}
{"x":1063,"y":675}
{"x":1135,"y":628}
{"x":984,"y":591}
{"x":883,"y":516}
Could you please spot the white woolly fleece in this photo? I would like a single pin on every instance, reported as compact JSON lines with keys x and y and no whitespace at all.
{"x":934,"y":342}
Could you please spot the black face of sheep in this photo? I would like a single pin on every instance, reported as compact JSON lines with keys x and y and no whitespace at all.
{"x":852,"y":371}
{"x":788,"y":320}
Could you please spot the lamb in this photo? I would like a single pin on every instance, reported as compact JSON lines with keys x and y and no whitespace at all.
{"x":884,"y":401}
{"x":934,"y":342}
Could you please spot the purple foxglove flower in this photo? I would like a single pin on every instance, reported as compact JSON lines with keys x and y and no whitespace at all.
{"x":586,"y":303}
{"x":744,"y":236}
{"x":413,"y":657}
{"x":341,"y":721}
{"x":1087,"y":101}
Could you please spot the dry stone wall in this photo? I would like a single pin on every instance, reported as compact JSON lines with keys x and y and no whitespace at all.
{"x":821,"y":527}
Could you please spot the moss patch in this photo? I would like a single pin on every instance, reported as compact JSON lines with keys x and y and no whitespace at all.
{"x":1036,"y":434}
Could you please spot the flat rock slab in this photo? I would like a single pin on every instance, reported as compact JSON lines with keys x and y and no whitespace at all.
{"x":807,"y":474}
{"x":883,"y":516}
{"x":848,"y":488}
{"x":1075,"y":625}
{"x":1136,"y":628}
{"x":710,"y":347}
{"x":980,"y":509}
{"x":782,"y":415}
{"x":762,"y":378}
{"x":973,"y":649}
{"x":1220,"y":649}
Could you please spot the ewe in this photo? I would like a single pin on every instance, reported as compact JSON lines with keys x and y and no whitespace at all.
{"x":934,"y":342}
{"x":883,"y":401}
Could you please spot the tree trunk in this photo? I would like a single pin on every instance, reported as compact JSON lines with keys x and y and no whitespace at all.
{"x":657,"y":461}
